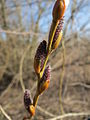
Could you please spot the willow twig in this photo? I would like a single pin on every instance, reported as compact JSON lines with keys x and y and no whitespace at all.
{"x":61,"y":79}
{"x":4,"y":113}
{"x":70,"y":115}
{"x":21,"y":67}
{"x":20,"y":33}
{"x":45,"y":112}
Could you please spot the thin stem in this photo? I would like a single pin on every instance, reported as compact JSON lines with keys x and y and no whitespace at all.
{"x":45,"y":112}
{"x":36,"y":97}
{"x":61,"y":79}
{"x":68,"y":115}
{"x":3,"y":13}
{"x":53,"y":30}
{"x":4,"y":113}
{"x":21,"y":67}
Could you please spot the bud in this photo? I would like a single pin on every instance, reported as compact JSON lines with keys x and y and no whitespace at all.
{"x":40,"y":56}
{"x":45,"y":80}
{"x":32,"y":110}
{"x":58,"y":34}
{"x":28,"y":102}
{"x":59,"y":9}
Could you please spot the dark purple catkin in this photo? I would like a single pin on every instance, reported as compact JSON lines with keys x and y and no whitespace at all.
{"x":41,"y":49}
{"x":46,"y":74}
{"x":40,"y":56}
{"x":27,"y":99}
{"x":58,"y":30}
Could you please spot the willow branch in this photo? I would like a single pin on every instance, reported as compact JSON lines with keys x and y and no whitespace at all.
{"x":4,"y":113}
{"x":61,"y":79}
{"x":21,"y":67}
{"x":69,"y":115}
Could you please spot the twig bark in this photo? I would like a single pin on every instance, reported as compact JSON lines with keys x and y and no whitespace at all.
{"x":45,"y":112}
{"x":21,"y":67}
{"x":70,"y":115}
{"x":4,"y":113}
{"x":20,"y":33}
{"x":61,"y":79}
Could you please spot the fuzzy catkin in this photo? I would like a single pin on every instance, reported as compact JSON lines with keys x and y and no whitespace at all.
{"x":58,"y":30}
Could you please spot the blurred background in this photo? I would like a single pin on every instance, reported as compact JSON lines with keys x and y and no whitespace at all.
{"x":23,"y":25}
